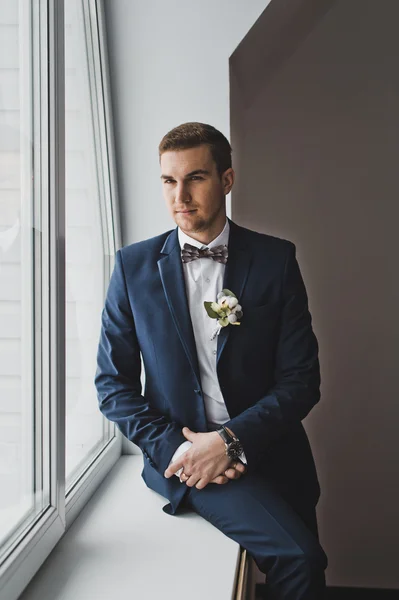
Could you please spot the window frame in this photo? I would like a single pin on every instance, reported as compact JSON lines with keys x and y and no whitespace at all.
{"x":39,"y":539}
{"x":94,"y":16}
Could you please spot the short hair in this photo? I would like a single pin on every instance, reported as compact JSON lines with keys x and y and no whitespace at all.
{"x":192,"y":134}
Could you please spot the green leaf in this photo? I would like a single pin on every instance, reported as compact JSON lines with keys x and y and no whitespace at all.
{"x":227,"y":292}
{"x":210,"y":312}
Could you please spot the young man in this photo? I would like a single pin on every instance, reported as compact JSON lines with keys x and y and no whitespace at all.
{"x":219,"y":423}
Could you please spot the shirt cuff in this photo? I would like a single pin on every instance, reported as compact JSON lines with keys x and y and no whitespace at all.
{"x":178,"y":452}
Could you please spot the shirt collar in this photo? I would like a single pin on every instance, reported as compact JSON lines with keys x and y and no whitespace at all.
{"x":222,"y":238}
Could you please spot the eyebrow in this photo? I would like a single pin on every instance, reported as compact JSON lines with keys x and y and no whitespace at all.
{"x":196,"y":172}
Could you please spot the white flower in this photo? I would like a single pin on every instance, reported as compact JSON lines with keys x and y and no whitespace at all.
{"x":216,"y":308}
{"x":226,"y":310}
{"x":224,"y":301}
{"x":232,"y":301}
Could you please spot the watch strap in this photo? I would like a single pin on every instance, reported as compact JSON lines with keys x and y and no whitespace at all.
{"x":224,"y":434}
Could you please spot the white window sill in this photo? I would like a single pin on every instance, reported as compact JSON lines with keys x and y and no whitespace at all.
{"x":123,"y":544}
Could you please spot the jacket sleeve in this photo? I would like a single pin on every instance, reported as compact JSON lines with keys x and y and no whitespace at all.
{"x":118,"y":383}
{"x":297,"y":372}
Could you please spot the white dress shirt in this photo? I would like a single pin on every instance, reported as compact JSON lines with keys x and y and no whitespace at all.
{"x":204,"y":280}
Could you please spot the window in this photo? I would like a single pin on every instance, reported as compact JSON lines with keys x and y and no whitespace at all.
{"x":90,"y":238}
{"x":24,"y":463}
{"x":59,"y":231}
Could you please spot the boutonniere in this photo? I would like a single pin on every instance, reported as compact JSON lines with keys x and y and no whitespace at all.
{"x":227,"y":310}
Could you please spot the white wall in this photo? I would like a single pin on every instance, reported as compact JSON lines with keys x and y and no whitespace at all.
{"x":169,"y":64}
{"x":318,"y":164}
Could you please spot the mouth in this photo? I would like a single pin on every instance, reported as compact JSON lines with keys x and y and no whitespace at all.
{"x":186,"y":212}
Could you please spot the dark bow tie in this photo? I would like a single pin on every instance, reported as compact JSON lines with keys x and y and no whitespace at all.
{"x":218,"y":253}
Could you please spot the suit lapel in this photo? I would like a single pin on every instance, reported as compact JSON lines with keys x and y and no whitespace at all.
{"x":172,"y":276}
{"x":170,"y":267}
{"x":235,"y":275}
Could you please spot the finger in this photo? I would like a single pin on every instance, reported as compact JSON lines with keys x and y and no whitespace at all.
{"x":188,"y":434}
{"x":201,"y":484}
{"x":174,"y":467}
{"x":232,"y":473}
{"x":240,"y":467}
{"x":192,"y":480}
{"x":220,"y":479}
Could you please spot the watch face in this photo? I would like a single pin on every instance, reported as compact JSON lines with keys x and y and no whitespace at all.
{"x":235,"y":449}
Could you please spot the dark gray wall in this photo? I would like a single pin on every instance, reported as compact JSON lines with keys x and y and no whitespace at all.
{"x":317,"y":146}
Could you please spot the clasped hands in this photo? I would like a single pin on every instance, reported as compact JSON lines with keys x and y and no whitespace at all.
{"x":206,"y":461}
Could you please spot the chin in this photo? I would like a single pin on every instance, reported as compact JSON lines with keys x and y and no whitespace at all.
{"x":188,"y":221}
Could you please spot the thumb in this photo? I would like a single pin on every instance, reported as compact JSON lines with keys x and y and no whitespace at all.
{"x":188,"y":433}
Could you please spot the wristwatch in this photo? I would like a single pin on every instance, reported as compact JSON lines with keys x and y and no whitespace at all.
{"x":233,"y":445}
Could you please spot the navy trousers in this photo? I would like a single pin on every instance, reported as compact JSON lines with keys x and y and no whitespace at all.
{"x":282,"y":539}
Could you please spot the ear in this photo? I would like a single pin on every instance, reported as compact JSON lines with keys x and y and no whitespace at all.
{"x":228,"y":178}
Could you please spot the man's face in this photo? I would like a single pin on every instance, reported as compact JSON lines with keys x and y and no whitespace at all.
{"x":193,"y":190}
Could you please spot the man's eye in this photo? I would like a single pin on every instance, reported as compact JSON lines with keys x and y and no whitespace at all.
{"x":192,"y":177}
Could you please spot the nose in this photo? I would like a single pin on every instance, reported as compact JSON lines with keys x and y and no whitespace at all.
{"x":182,"y":195}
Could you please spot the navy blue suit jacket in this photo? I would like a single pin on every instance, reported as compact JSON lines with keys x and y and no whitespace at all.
{"x":268,"y":366}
